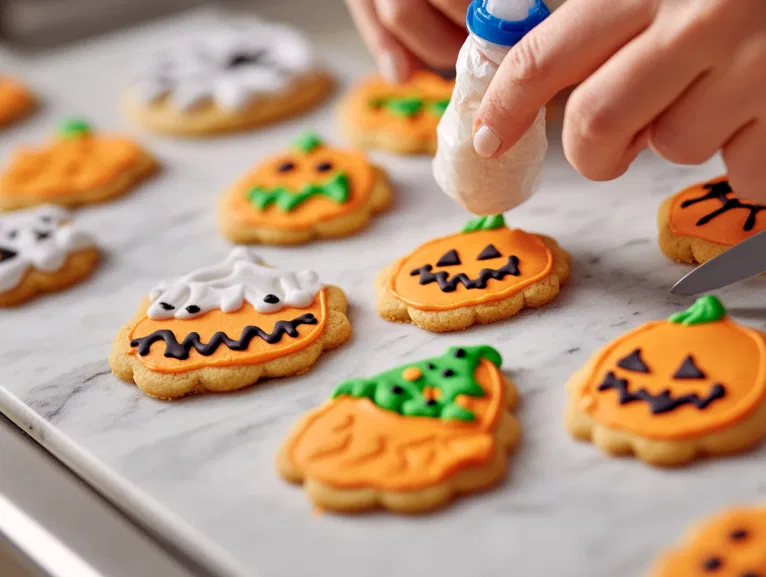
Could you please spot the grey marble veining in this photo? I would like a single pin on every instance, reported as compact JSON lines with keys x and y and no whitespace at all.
{"x":203,"y":467}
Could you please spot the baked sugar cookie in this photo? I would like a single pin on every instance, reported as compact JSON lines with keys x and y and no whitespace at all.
{"x":16,"y":101}
{"x":671,"y":391}
{"x":731,"y":544}
{"x":704,"y":220}
{"x":79,"y":167}
{"x":224,"y":327}
{"x":41,"y":252}
{"x":312,"y":191}
{"x":409,"y":439}
{"x":232,"y":77}
{"x":486,"y":273}
{"x":400,"y":118}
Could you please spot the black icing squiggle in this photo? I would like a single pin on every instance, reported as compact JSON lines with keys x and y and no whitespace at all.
{"x":721,"y":191}
{"x":180,"y":351}
{"x":447,"y":284}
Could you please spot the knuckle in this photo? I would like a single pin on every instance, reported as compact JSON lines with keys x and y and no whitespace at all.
{"x":589,"y":118}
{"x":395,"y":13}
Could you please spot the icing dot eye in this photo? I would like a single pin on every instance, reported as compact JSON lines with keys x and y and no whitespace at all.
{"x":13,"y":234}
{"x":712,"y":564}
{"x":166,"y":307}
{"x":460,"y":353}
{"x":286,"y":166}
{"x":431,"y":402}
{"x":738,"y":535}
{"x":42,"y":235}
{"x":397,"y":390}
{"x":192,"y":309}
{"x":448,"y":372}
{"x":324,"y":166}
{"x":431,"y":366}
{"x":271,"y":299}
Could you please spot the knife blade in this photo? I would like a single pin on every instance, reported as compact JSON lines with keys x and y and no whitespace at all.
{"x":743,"y":260}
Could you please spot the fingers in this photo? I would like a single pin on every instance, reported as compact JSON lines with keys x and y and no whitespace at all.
{"x":421,"y":28}
{"x":395,"y":63}
{"x":455,"y":10}
{"x":563,"y":50}
{"x":743,"y":155}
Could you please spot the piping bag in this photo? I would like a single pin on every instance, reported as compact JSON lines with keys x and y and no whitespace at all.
{"x":488,"y":185}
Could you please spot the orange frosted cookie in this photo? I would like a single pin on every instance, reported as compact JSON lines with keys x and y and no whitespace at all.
{"x":224,"y":327}
{"x":311,"y":191}
{"x":704,"y":220}
{"x":485,"y":273}
{"x":16,"y":101}
{"x":400,"y":118}
{"x":409,"y":439}
{"x":671,"y":391}
{"x":731,"y":544}
{"x":79,"y":167}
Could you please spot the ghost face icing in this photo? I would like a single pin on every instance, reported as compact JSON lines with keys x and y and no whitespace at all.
{"x":228,"y":66}
{"x":36,"y":238}
{"x":226,"y":286}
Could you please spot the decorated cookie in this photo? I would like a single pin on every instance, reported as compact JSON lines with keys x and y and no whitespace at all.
{"x":79,"y":167}
{"x":41,"y":251}
{"x":731,"y":544}
{"x":16,"y":101}
{"x":671,"y":391}
{"x":400,"y":118}
{"x":231,"y":77}
{"x":704,"y":220}
{"x":311,"y":191}
{"x":226,"y":326}
{"x":409,"y":439}
{"x":485,"y":273}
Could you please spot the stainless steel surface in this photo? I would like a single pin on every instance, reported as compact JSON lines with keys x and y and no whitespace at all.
{"x":738,"y":263}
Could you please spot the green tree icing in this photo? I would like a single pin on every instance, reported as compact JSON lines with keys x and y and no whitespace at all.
{"x":452,"y":373}
{"x":335,"y":188}
{"x":409,"y":106}
{"x":73,"y":127}
{"x":307,"y":142}
{"x":485,"y":223}
{"x":706,"y":309}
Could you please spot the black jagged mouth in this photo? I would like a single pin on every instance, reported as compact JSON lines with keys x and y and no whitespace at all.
{"x":7,"y":254}
{"x":663,"y":402}
{"x":449,"y":283}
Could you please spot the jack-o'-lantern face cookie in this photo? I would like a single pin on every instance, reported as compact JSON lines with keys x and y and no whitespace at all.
{"x":408,"y":439}
{"x":732,"y":544}
{"x":310,"y":191}
{"x":670,"y":391}
{"x":704,"y":220}
{"x":486,"y":273}
{"x":400,"y":118}
{"x":224,"y":327}
{"x":16,"y":101}
{"x":79,"y":167}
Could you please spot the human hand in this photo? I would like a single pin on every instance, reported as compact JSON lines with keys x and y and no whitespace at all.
{"x":684,"y":77}
{"x":404,"y":35}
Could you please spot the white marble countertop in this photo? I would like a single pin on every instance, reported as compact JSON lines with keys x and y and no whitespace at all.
{"x":201,"y":470}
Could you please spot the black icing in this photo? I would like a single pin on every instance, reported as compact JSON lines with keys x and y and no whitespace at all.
{"x":244,"y":59}
{"x":271,"y":299}
{"x":633,"y":362}
{"x":431,"y":366}
{"x":431,"y":402}
{"x":448,"y":372}
{"x":192,"y":309}
{"x":42,"y":235}
{"x":459,"y":353}
{"x":397,"y":390}
{"x":166,"y":306}
{"x":689,"y":370}
{"x":720,"y":191}
{"x":712,"y":564}
{"x":489,"y":252}
{"x":447,"y":284}
{"x":7,"y":254}
{"x":450,"y":258}
{"x":324,"y":167}
{"x":739,"y":535}
{"x":286,"y":167}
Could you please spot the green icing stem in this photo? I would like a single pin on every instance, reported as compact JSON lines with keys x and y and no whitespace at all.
{"x":409,"y":106}
{"x":336,"y":188}
{"x":73,"y":127}
{"x":307,"y":142}
{"x":706,"y":309}
{"x":452,"y":373}
{"x":484,"y":223}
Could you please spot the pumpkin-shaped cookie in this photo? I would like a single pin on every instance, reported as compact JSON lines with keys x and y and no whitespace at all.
{"x":704,"y":220}
{"x":310,"y":191}
{"x":670,"y":391}
{"x":79,"y":167}
{"x":408,"y":439}
{"x":731,"y":544}
{"x":486,"y":273}
{"x":16,"y":101}
{"x":224,"y":327}
{"x":400,"y":118}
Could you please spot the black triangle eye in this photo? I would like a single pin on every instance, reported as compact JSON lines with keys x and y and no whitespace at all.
{"x":689,"y":370}
{"x":489,"y":252}
{"x":449,"y":258}
{"x":633,"y":362}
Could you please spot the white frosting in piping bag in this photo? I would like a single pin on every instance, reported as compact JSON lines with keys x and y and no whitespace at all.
{"x":226,"y":286}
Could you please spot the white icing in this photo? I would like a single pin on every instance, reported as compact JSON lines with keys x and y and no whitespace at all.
{"x":226,"y":286}
{"x":36,"y":238}
{"x":198,"y":71}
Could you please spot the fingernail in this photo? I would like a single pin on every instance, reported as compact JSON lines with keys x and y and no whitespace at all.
{"x":389,"y":67}
{"x":486,"y":142}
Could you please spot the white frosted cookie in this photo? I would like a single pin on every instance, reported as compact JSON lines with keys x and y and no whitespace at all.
{"x":231,"y":77}
{"x":41,"y":251}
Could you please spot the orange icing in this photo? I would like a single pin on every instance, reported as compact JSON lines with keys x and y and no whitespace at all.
{"x":350,"y":443}
{"x":232,"y":324}
{"x":734,"y":541}
{"x":15,"y":100}
{"x":535,"y":263}
{"x":69,"y":165}
{"x":727,"y":353}
{"x":360,"y":173}
{"x":727,"y":228}
{"x":422,"y":126}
